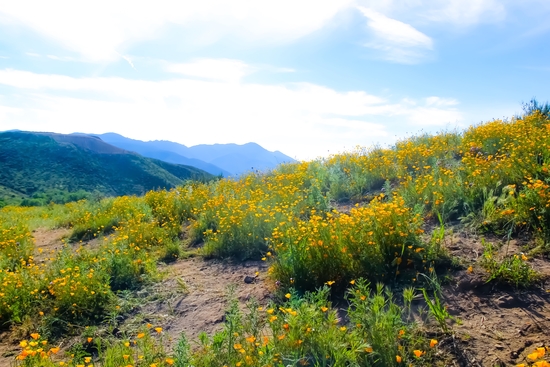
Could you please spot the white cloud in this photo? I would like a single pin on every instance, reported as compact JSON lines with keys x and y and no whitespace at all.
{"x":300,"y":119}
{"x":398,"y":41}
{"x":438,"y":101}
{"x":465,"y":12}
{"x":216,"y":69}
{"x":458,"y":13}
{"x":102,"y":30}
{"x":394,"y":31}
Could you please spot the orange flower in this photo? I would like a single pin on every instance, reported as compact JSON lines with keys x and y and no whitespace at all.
{"x":140,"y":335}
{"x":324,"y":309}
{"x":90,"y":340}
{"x":418,"y":353}
{"x":54,"y":350}
{"x":368,"y":349}
{"x":398,"y":359}
{"x":169,"y":361}
{"x":158,"y":330}
{"x":533,"y":356}
{"x":433,"y":342}
{"x":35,"y":336}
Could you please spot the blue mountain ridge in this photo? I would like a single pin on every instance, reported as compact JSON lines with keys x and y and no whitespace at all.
{"x":225,"y":159}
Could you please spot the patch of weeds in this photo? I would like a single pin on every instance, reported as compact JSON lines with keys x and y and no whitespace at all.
{"x":171,"y":252}
{"x":511,"y":269}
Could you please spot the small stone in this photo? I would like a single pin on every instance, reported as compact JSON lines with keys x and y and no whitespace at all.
{"x":248,"y":279}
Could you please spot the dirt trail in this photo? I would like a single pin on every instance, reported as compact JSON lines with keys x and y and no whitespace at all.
{"x":193,"y":298}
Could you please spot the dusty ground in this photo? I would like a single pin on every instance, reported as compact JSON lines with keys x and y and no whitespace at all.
{"x":498,"y":326}
{"x":194,"y":296}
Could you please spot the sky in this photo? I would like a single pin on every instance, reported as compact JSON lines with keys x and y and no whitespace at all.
{"x":309,"y":78}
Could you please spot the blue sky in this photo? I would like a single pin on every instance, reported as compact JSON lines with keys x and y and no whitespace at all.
{"x":308,"y":78}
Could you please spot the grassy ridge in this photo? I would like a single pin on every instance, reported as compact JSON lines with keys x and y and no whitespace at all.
{"x":493,"y":177}
{"x":33,"y":164}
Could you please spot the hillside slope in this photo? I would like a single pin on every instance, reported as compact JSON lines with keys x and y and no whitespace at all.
{"x":31,"y":163}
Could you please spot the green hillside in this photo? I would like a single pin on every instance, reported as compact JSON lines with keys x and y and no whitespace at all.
{"x":42,"y":165}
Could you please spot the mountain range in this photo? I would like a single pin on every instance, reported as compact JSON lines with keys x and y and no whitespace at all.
{"x":224,"y":159}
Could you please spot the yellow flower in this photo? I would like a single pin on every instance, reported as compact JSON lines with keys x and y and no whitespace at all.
{"x":158,"y":330}
{"x":343,"y":328}
{"x":287,"y":295}
{"x":433,"y":342}
{"x":126,"y":356}
{"x":169,"y":361}
{"x":533,"y":356}
{"x":324,"y":309}
{"x":237,"y":346}
{"x":352,"y":282}
{"x":23,"y":343}
{"x":87,"y":359}
{"x":540,"y":352}
{"x":330,"y":282}
{"x":126,"y":344}
{"x":368,"y":349}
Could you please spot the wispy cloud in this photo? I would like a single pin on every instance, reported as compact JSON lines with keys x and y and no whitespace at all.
{"x":227,"y":70}
{"x":128,"y":60}
{"x":99,"y":31}
{"x":464,"y":12}
{"x":398,"y":41}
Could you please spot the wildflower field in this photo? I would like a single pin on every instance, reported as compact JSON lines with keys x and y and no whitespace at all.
{"x":353,"y":244}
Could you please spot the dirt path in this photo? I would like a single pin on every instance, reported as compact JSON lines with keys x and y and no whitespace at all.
{"x":193,"y":298}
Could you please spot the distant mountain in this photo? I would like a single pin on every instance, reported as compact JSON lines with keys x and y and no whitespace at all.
{"x":240,"y":158}
{"x":32,"y":163}
{"x":231,"y":158}
{"x":164,"y":151}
